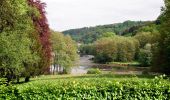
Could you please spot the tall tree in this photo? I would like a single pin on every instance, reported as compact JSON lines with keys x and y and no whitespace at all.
{"x":162,"y":55}
{"x":43,"y":31}
{"x":15,"y":30}
{"x":65,"y":51}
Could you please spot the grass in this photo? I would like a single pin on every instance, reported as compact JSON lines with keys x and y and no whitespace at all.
{"x":90,"y":77}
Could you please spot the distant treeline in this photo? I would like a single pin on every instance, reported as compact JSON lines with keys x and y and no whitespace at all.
{"x":110,"y":47}
{"x":90,"y":34}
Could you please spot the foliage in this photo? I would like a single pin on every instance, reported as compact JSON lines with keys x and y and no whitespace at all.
{"x":145,"y":56}
{"x":143,"y":38}
{"x":132,"y":31}
{"x":150,"y":27}
{"x":86,"y":49}
{"x":147,"y":37}
{"x":162,"y":55}
{"x":105,"y":50}
{"x":7,"y":92}
{"x":15,"y":38}
{"x":116,"y":48}
{"x":24,"y":36}
{"x":90,"y":88}
{"x":64,"y":49}
{"x":107,"y":34}
{"x":89,"y":35}
{"x":94,"y":71}
{"x":42,"y":34}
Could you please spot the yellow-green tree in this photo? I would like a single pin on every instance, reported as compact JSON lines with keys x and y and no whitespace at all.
{"x":16,"y":28}
{"x":116,"y":48}
{"x":106,"y":50}
{"x":64,"y":50}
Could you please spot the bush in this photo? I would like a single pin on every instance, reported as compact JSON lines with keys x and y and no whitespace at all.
{"x":145,"y":57}
{"x":94,"y":71}
{"x":7,"y":92}
{"x":89,"y":89}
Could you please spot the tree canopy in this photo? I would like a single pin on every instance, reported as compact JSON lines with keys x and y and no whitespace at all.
{"x":64,"y":50}
{"x":24,"y":38}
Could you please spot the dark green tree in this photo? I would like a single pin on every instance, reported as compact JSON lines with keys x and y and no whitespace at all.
{"x":162,"y":55}
{"x":145,"y":56}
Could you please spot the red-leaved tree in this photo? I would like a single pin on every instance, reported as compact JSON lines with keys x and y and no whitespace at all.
{"x":43,"y":31}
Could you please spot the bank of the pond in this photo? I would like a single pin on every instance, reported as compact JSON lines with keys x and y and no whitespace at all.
{"x":86,"y":63}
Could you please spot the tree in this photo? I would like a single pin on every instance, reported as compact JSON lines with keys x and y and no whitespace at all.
{"x":41,"y":35}
{"x":87,"y":49}
{"x":144,"y":38}
{"x":116,"y":48}
{"x":127,"y":49}
{"x":24,"y":35}
{"x":15,"y":30}
{"x":162,"y":55}
{"x":107,"y":34}
{"x":147,"y":37}
{"x":88,"y":35}
{"x":106,"y":50}
{"x":145,"y":56}
{"x":65,"y":51}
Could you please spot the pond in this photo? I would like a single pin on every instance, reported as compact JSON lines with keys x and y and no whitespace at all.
{"x":86,"y":63}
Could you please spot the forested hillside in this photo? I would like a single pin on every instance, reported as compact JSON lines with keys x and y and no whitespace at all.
{"x":91,"y":34}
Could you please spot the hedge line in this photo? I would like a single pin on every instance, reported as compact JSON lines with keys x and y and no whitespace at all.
{"x":97,"y":89}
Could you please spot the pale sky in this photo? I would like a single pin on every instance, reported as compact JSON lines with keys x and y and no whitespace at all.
{"x":70,"y":14}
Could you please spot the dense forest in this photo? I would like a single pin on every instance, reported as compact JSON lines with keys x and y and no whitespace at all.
{"x":91,"y":34}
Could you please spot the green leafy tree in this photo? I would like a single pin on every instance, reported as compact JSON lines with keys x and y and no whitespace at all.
{"x":87,"y":49}
{"x":107,"y":34}
{"x":65,"y":51}
{"x":145,"y":56}
{"x":116,"y":48}
{"x":91,"y":34}
{"x":15,"y":30}
{"x":144,"y":38}
{"x":147,"y":37}
{"x":106,"y":50}
{"x":162,"y":55}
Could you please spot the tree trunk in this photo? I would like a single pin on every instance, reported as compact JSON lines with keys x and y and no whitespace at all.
{"x":17,"y":77}
{"x":8,"y":80}
{"x":53,"y":69}
{"x":58,"y":70}
{"x":27,"y":78}
{"x":9,"y":76}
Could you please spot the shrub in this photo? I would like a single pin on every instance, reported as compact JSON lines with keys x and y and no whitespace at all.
{"x":89,"y":89}
{"x":145,"y":57}
{"x":7,"y":92}
{"x":94,"y":71}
